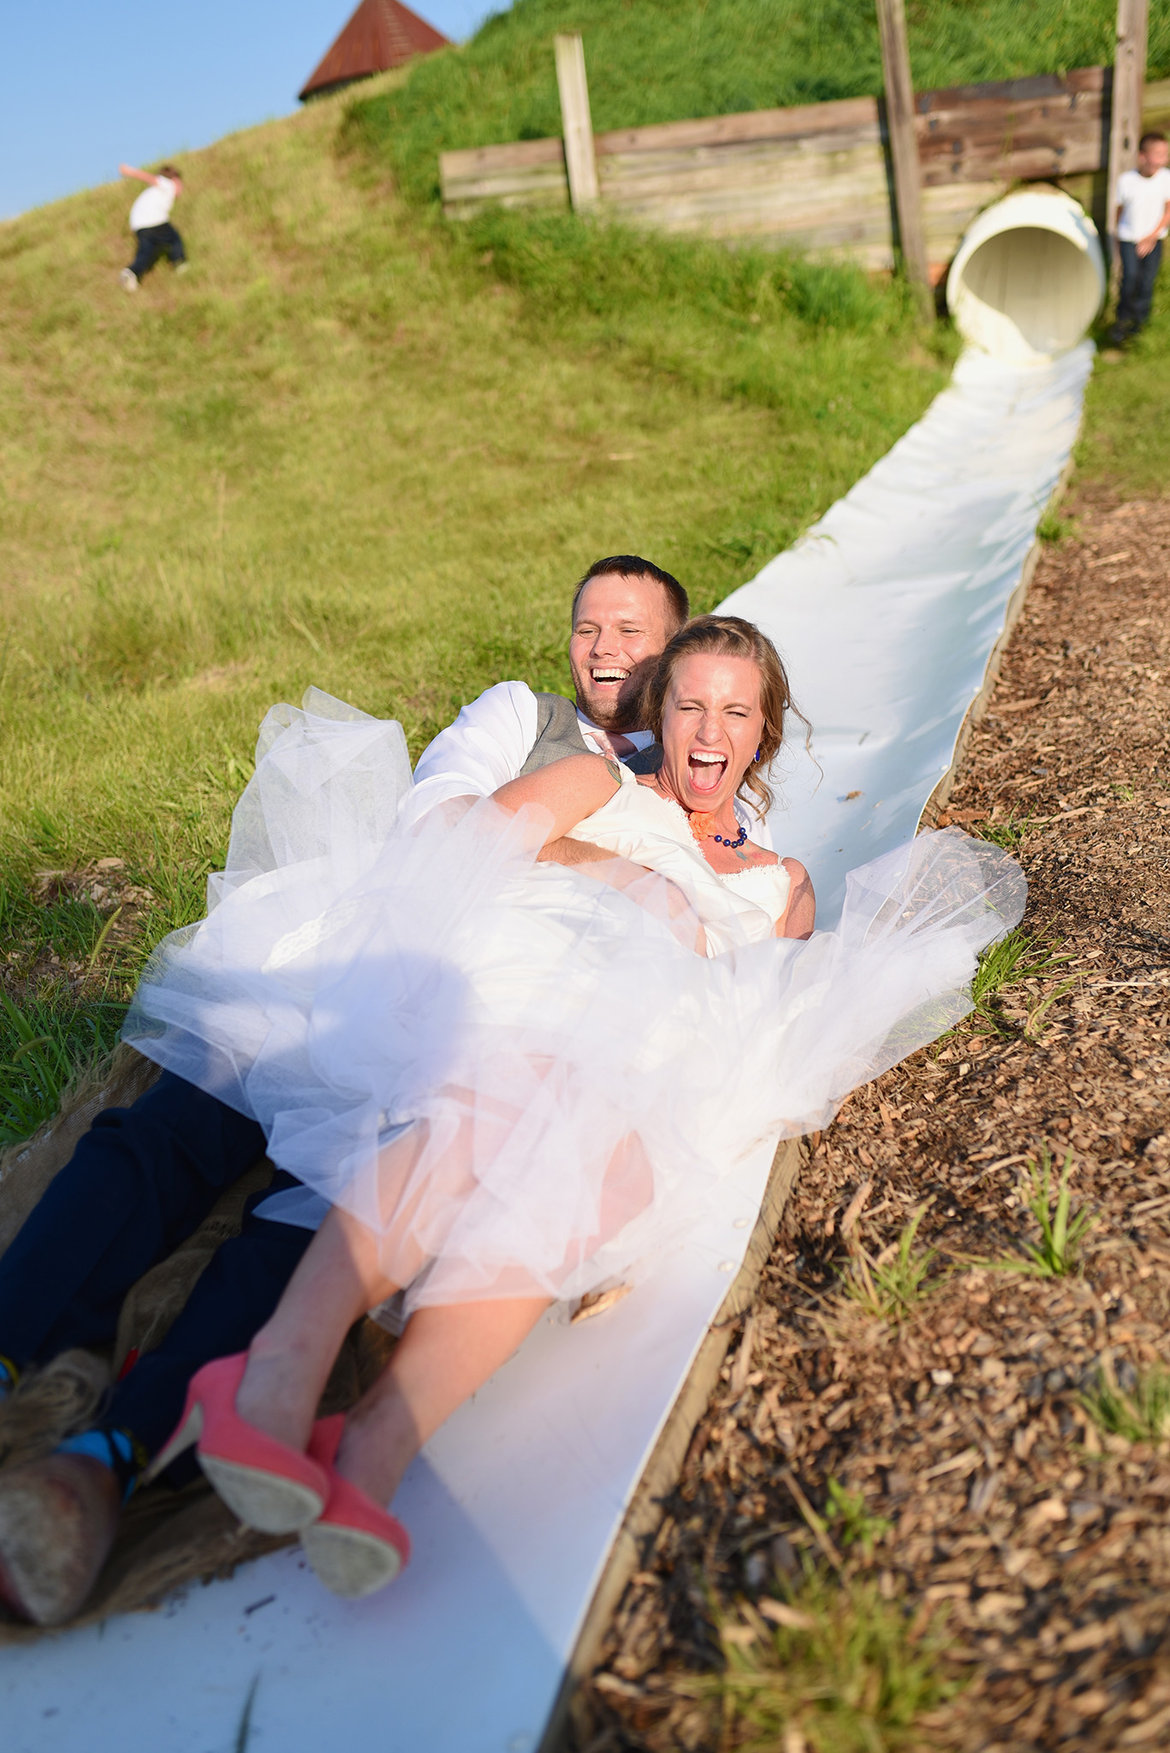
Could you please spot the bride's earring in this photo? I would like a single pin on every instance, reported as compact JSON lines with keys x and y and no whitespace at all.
{"x":757,"y":755}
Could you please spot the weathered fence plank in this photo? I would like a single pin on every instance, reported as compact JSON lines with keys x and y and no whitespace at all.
{"x":576,"y":123}
{"x":903,"y":143}
{"x":812,"y":118}
{"x":1128,"y":79}
{"x":1018,"y":129}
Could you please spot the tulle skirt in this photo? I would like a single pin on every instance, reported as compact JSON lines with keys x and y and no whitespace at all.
{"x":524,"y":1081}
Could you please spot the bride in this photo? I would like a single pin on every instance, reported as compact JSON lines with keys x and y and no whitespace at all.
{"x":504,"y":1081}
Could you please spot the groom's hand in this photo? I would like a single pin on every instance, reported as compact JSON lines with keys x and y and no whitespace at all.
{"x":570,"y":852}
{"x":647,"y":887}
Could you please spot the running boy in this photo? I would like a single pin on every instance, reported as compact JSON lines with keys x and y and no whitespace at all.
{"x":150,"y":221}
{"x":1143,"y":214}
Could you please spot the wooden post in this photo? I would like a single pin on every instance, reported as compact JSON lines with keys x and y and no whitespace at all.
{"x":576,"y":125}
{"x":1129,"y":74}
{"x":903,"y":144}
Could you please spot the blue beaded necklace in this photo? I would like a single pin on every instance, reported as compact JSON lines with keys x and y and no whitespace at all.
{"x":738,"y":841}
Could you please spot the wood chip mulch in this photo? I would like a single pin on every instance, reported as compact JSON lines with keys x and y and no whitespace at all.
{"x":1002,"y":1514}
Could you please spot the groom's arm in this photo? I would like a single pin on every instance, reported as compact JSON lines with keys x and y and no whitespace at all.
{"x":568,"y":851}
{"x":486,"y":746}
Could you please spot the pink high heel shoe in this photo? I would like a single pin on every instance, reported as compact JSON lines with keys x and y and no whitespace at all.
{"x":354,"y":1546}
{"x":265,"y":1483}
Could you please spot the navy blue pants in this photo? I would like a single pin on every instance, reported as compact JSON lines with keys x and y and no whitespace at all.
{"x":139,"y":1183}
{"x":1138,"y":274}
{"x":155,"y":241}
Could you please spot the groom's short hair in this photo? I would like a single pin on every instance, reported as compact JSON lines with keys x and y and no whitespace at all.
{"x":678,"y":605}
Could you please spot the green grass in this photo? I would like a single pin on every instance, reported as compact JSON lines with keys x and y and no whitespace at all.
{"x":1124,"y":445}
{"x":1009,"y":833}
{"x":1139,"y":1413}
{"x":1055,"y":528}
{"x":1016,"y":960}
{"x":46,"y":1042}
{"x":845,"y":1672}
{"x":889,"y":1285}
{"x":662,"y":60}
{"x":833,"y":354}
{"x":1063,"y":1227}
{"x":851,"y":1522}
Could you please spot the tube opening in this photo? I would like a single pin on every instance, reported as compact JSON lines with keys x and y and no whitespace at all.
{"x":1028,"y":278}
{"x":1041,"y":283}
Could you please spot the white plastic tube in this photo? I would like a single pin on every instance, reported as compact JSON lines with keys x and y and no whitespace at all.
{"x":1029,"y":277}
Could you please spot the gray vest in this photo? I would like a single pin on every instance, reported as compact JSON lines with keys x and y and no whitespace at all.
{"x":558,"y":733}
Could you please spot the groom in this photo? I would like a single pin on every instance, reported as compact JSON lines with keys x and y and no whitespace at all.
{"x":143,"y":1178}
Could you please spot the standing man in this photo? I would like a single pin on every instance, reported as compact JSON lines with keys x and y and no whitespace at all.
{"x":150,"y":221}
{"x":143,"y":1178}
{"x":1143,"y":214}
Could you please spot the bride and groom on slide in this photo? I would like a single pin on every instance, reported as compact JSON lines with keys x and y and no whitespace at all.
{"x":500,"y":1025}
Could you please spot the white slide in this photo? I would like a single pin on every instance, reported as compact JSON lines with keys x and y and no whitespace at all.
{"x":887,"y":612}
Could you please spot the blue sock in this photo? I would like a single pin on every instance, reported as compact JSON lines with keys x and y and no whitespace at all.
{"x":114,"y":1448}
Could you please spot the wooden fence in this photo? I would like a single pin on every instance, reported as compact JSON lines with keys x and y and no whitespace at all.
{"x":817,"y":178}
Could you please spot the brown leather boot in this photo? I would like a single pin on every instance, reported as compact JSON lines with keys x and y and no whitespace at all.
{"x":58,"y":1518}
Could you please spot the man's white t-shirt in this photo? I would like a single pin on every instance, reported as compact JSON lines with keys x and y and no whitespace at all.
{"x":489,"y":743}
{"x":1142,"y":201}
{"x":153,"y":206}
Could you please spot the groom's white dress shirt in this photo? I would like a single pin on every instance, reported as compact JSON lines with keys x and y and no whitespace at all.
{"x":490,"y":741}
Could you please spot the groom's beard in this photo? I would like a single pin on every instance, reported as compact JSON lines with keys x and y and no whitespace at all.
{"x":614,"y":709}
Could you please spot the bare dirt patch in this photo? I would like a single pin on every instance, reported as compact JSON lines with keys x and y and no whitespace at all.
{"x":989,"y":1505}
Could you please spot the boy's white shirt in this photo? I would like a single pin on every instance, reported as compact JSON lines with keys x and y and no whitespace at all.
{"x":490,"y":741}
{"x":1142,"y":201}
{"x":153,"y":205}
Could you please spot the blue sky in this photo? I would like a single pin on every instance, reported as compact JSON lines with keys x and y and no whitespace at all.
{"x":88,"y":83}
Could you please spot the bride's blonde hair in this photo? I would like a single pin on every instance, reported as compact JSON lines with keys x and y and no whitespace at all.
{"x":730,"y":636}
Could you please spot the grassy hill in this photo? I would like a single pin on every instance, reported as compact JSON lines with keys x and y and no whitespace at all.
{"x":356,"y":448}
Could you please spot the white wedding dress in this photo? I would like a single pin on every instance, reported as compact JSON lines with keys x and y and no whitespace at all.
{"x":524,"y":1079}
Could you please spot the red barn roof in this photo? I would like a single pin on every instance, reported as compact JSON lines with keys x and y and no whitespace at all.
{"x":380,"y":35}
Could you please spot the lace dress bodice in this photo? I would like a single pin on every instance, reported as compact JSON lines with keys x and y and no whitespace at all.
{"x":641,"y":825}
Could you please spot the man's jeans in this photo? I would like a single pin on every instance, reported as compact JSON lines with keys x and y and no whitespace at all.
{"x":1138,"y":274}
{"x":139,"y":1183}
{"x":155,"y":241}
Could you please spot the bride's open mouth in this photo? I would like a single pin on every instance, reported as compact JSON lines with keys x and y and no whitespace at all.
{"x":706,"y":768}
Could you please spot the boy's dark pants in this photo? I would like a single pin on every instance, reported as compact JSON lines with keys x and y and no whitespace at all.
{"x":155,"y":241}
{"x":139,"y":1183}
{"x":1138,"y":274}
